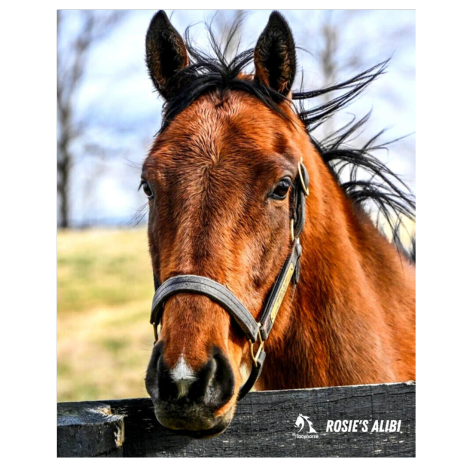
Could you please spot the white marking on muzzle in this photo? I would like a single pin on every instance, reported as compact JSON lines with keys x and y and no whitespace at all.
{"x":183,"y":376}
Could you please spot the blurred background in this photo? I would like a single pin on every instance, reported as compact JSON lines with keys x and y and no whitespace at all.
{"x":107,"y":115}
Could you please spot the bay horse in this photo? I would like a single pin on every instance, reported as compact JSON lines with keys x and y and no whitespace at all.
{"x":239,"y":193}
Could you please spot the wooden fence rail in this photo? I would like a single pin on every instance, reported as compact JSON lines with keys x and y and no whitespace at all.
{"x":355,"y":421}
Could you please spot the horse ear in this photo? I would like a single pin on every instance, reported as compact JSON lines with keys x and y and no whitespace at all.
{"x":274,"y":55}
{"x":166,"y":54}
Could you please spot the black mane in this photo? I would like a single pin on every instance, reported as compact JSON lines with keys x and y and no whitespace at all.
{"x":381,"y":187}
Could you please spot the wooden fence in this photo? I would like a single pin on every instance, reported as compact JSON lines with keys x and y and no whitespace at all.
{"x":355,"y":421}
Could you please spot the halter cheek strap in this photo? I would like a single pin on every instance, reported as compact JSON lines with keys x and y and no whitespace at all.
{"x":254,"y":331}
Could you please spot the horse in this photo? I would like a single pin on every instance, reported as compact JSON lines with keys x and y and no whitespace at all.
{"x":269,"y":270}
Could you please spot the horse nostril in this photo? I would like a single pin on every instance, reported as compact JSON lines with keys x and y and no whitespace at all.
{"x":215,"y":382}
{"x":205,"y":378}
{"x":167,"y":388}
{"x":151,"y":376}
{"x":223,"y":385}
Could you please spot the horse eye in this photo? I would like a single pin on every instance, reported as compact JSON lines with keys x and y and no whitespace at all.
{"x":281,"y":190}
{"x":147,"y":189}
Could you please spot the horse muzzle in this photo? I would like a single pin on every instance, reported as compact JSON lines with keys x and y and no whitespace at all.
{"x":196,"y":403}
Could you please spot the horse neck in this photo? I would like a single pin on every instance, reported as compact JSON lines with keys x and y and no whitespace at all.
{"x":352,"y":315}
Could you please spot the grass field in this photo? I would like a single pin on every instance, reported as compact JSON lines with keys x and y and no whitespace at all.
{"x":104,"y":293}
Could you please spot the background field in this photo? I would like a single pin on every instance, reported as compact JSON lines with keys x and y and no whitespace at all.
{"x":104,"y":292}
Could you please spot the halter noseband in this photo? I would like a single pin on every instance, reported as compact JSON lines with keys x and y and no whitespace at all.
{"x":217,"y":292}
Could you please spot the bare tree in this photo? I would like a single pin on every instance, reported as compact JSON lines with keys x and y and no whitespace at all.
{"x":343,"y":46}
{"x":77,"y":34}
{"x":344,"y":43}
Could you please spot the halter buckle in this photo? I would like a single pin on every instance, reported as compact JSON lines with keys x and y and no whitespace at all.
{"x":254,"y":356}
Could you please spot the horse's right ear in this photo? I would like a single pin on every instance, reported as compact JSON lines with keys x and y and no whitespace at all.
{"x":166,"y":54}
{"x":274,"y":55}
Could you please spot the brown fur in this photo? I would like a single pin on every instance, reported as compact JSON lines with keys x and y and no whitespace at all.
{"x":351,"y":318}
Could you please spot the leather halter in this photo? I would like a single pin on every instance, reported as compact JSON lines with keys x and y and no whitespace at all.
{"x":220,"y":294}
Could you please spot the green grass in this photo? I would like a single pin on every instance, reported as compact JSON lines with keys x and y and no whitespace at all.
{"x":104,"y":293}
{"x":101,"y":268}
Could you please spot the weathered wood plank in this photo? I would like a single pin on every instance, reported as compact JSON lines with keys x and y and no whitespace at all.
{"x":89,"y":429}
{"x":263,"y":426}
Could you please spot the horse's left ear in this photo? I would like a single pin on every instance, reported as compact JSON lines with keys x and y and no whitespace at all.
{"x":274,"y":56}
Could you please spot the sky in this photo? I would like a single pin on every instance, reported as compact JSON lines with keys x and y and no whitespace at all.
{"x":117,"y":101}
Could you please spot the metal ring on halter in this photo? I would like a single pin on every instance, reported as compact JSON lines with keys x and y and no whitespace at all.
{"x":254,"y":356}
{"x":301,"y":176}
{"x":156,"y":330}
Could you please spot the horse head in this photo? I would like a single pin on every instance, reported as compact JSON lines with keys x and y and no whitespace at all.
{"x":219,"y":179}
